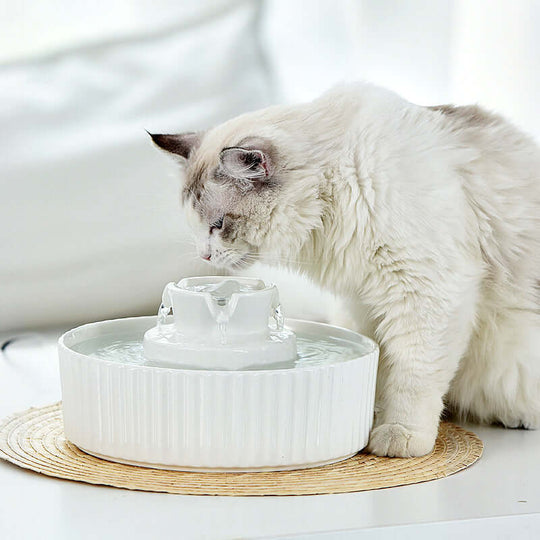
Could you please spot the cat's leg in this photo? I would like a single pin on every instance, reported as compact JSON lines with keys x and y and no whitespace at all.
{"x":410,"y":390}
{"x":422,"y":341}
{"x":499,"y":378}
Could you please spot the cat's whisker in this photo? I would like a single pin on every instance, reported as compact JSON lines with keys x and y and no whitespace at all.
{"x":255,"y":257}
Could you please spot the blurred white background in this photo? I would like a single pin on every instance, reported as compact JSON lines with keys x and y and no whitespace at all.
{"x":90,"y":226}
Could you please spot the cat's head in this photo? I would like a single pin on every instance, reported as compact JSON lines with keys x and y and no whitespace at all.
{"x":243,"y":196}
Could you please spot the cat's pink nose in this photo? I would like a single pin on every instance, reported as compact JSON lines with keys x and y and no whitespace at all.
{"x":206,"y":256}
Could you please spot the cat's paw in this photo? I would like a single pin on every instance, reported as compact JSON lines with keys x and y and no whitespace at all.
{"x":395,"y":440}
{"x":530,"y":421}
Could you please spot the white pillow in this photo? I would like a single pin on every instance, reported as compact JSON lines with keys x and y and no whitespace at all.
{"x":90,"y":226}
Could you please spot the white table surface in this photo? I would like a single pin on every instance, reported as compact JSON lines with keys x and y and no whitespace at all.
{"x":498,"y":497}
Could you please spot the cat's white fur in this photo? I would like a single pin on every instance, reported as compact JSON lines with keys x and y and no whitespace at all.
{"x":427,"y":222}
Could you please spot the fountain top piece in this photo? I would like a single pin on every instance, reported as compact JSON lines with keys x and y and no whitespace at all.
{"x":221,"y":309}
{"x":220,"y":322}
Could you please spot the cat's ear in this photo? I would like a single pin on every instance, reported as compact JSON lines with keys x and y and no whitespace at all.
{"x":180,"y":144}
{"x":246,"y":163}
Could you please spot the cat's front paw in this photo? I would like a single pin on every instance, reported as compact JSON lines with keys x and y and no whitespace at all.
{"x":395,"y":440}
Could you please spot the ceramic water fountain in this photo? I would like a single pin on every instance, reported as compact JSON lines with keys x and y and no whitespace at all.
{"x":218,"y":382}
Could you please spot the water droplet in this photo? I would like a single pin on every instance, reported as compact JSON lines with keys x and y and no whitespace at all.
{"x":278,"y":318}
{"x":162,"y":314}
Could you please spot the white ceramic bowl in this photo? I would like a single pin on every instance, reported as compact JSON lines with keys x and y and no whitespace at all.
{"x":216,"y":420}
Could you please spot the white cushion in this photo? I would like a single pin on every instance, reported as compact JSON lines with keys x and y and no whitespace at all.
{"x":89,"y":214}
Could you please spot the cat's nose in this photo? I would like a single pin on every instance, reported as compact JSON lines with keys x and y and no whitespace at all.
{"x":206,"y":256}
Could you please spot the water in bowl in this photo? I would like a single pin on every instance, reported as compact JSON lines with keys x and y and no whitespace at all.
{"x":312,"y":351}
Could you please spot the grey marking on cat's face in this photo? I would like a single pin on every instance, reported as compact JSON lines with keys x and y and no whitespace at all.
{"x":229,"y":197}
{"x":194,"y":185}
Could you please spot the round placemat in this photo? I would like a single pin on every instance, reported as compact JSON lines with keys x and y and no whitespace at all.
{"x":34,"y":439}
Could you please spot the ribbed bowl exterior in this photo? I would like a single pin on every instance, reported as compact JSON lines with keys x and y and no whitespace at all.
{"x":227,"y":420}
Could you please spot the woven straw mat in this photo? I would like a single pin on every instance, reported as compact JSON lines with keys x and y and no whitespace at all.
{"x":34,"y":439}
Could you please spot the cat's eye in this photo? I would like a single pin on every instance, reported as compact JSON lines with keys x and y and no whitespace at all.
{"x":218,"y":224}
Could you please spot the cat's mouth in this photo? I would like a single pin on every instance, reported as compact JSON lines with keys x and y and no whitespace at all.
{"x":231,"y":259}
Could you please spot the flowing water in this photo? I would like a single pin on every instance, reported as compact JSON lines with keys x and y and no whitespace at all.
{"x":312,"y":350}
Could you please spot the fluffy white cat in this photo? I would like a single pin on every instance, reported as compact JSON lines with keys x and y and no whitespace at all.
{"x":425,"y":218}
